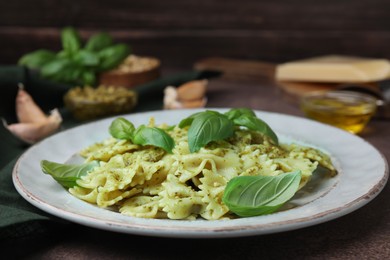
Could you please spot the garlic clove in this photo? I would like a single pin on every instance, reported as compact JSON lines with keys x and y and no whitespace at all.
{"x":28,"y":132}
{"x":34,"y":132}
{"x":192,"y":90}
{"x":170,"y":98}
{"x":33,"y":124}
{"x":27,"y":110}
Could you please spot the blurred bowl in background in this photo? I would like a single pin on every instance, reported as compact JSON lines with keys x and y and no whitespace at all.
{"x":347,"y":110}
{"x":133,"y":71}
{"x":87,"y":103}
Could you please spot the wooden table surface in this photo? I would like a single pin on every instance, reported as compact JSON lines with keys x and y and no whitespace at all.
{"x":362,"y":234}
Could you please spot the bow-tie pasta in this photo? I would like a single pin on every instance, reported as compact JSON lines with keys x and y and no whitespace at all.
{"x":147,"y":182}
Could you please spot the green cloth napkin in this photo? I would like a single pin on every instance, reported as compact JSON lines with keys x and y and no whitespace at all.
{"x":18,"y":218}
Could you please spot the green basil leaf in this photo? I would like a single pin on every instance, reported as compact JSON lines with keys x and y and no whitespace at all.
{"x":63,"y":55}
{"x":237,"y":112}
{"x":55,"y":67}
{"x":98,"y":42}
{"x":169,"y":128}
{"x":256,"y":124}
{"x":88,"y":78}
{"x":112,"y":56}
{"x":74,"y":74}
{"x":36,"y":59}
{"x":87,"y":58}
{"x":121,"y":128}
{"x":153,"y":136}
{"x":71,"y":74}
{"x":249,"y":196}
{"x":188,"y":121}
{"x":206,"y":127}
{"x":67,"y":174}
{"x":70,"y":39}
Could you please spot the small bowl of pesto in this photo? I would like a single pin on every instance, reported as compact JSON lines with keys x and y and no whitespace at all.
{"x":87,"y":103}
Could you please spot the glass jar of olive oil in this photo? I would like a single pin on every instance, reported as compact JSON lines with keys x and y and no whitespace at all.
{"x":347,"y":110}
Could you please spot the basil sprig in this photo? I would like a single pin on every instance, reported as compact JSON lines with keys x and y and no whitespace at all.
{"x":121,"y":128}
{"x":67,"y":174}
{"x":249,"y":196}
{"x":37,"y":59}
{"x":247,"y":118}
{"x":75,"y":63}
{"x":210,"y":126}
{"x":206,"y":127}
{"x":98,"y":42}
{"x":71,"y":42}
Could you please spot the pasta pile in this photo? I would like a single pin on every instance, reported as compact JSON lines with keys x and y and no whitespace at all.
{"x":147,"y":182}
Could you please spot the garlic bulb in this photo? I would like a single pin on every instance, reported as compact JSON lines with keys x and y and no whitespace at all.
{"x":188,"y":95}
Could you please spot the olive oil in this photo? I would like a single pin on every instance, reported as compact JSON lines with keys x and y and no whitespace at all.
{"x":345,"y":110}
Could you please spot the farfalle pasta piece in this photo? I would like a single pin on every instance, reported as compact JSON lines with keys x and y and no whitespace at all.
{"x":312,"y":154}
{"x":105,"y":150}
{"x":225,"y":164}
{"x":112,"y":175}
{"x":106,"y":198}
{"x":214,"y":209}
{"x":144,"y":170}
{"x":86,"y":194}
{"x":306,"y":166}
{"x":179,"y":200}
{"x":108,"y":182}
{"x":211,"y":189}
{"x":141,"y":207}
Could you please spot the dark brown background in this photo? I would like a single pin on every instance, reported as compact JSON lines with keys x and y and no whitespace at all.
{"x":180,"y":32}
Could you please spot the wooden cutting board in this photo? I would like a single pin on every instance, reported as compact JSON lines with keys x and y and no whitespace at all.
{"x":250,"y":70}
{"x":235,"y":69}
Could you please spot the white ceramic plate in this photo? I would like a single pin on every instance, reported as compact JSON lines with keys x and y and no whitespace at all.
{"x":363,"y":172}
